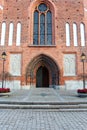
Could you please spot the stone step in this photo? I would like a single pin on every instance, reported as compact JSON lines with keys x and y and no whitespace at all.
{"x":43,"y":106}
{"x":43,"y":103}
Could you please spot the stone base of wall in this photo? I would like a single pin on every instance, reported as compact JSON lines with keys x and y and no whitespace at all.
{"x":25,"y":87}
{"x":60,"y":87}
{"x":28,"y":86}
{"x":69,"y":85}
{"x":74,"y":85}
{"x":11,"y":84}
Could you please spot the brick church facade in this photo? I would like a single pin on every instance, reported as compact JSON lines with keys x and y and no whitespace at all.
{"x":43,"y":41}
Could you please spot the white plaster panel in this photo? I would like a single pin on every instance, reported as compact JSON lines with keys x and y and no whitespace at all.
{"x":69,"y":65}
{"x":15,"y":64}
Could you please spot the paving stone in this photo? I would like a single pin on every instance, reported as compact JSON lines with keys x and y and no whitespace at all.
{"x":42,"y":120}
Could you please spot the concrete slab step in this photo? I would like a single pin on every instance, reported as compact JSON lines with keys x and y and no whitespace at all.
{"x":43,"y":99}
{"x":43,"y":103}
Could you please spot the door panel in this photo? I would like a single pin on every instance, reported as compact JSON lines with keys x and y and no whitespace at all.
{"x":42,"y":77}
{"x":39,"y":78}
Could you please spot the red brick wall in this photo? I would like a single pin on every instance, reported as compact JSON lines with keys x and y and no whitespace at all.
{"x":63,"y":11}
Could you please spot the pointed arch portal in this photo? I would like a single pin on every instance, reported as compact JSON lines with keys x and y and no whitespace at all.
{"x":43,"y":71}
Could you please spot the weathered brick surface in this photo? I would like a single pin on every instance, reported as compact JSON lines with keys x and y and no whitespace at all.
{"x":63,"y":11}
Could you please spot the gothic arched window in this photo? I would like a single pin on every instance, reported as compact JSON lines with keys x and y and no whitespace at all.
{"x":82,"y":33}
{"x":67,"y":34}
{"x":18,"y":35}
{"x":10,"y":39}
{"x":42,"y":34}
{"x":75,"y":37}
{"x":3,"y":32}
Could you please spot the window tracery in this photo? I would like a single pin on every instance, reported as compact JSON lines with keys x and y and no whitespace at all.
{"x":42,"y":34}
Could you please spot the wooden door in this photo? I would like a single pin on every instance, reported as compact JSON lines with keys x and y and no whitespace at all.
{"x":42,"y":77}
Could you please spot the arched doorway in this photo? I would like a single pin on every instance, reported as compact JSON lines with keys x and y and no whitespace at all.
{"x":42,"y":67}
{"x":42,"y":77}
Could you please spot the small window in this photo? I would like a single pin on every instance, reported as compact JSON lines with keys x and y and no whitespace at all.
{"x":10,"y":41}
{"x":3,"y":32}
{"x":67,"y":34}
{"x":42,"y":7}
{"x":75,"y":34}
{"x":82,"y":32}
{"x":18,"y":36}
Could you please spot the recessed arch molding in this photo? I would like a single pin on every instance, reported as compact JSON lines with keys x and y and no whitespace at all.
{"x":49,"y":63}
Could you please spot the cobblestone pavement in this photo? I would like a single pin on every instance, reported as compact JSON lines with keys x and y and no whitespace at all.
{"x":17,"y":119}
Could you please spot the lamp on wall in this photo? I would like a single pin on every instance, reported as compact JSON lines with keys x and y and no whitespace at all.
{"x":83,"y":58}
{"x":3,"y":58}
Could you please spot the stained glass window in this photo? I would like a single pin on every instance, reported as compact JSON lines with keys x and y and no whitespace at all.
{"x":49,"y":27}
{"x":42,"y":7}
{"x":36,"y":23}
{"x":42,"y":34}
{"x":42,"y":29}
